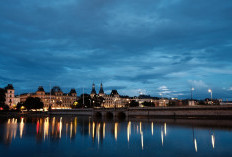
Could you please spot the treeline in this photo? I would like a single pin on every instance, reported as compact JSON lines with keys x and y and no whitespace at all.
{"x":30,"y":103}
{"x":85,"y":101}
{"x":3,"y":106}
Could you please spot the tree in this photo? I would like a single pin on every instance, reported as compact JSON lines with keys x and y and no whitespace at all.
{"x":87,"y":101}
{"x":133,"y":103}
{"x":19,"y":105}
{"x":33,"y":103}
{"x":145,"y":103}
{"x":2,"y":97}
{"x":75,"y":105}
{"x":3,"y":106}
{"x":97,"y":101}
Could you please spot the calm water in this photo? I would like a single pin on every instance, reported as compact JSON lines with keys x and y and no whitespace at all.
{"x":83,"y":136}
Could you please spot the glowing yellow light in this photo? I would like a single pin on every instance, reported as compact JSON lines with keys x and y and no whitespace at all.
{"x":128,"y":131}
{"x":93,"y":130}
{"x":66,"y":129}
{"x":15,"y":127}
{"x":152,"y":126}
{"x":60,"y":126}
{"x":89,"y":128}
{"x":75,"y":125}
{"x":104,"y":129}
{"x":71,"y":128}
{"x":11,"y":129}
{"x":21,"y":127}
{"x":22,"y":108}
{"x":98,"y":132}
{"x":116,"y":131}
{"x":53,"y":124}
{"x":165,"y":129}
{"x":46,"y":127}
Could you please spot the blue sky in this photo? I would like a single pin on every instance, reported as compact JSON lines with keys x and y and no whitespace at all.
{"x":134,"y":46}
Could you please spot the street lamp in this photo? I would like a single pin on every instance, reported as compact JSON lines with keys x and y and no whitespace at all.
{"x":211,"y":92}
{"x":90,"y":102}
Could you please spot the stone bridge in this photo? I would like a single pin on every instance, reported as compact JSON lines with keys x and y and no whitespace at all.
{"x":120,"y":112}
{"x":176,"y":112}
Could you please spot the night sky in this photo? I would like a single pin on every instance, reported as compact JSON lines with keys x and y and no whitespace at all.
{"x":134,"y":46}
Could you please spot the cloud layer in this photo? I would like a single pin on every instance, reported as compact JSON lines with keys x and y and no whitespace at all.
{"x":130,"y":45}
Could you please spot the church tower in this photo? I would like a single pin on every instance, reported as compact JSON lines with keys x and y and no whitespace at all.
{"x":93,"y":92}
{"x":9,"y":93}
{"x":101,"y":91}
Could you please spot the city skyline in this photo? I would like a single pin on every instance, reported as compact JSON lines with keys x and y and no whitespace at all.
{"x":151,"y":47}
{"x":109,"y":90}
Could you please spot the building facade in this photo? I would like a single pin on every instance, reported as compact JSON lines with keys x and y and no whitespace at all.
{"x":10,"y":95}
{"x":112,"y":100}
{"x":55,"y":98}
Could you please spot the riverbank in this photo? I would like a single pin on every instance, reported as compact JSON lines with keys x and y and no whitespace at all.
{"x":200,"y":112}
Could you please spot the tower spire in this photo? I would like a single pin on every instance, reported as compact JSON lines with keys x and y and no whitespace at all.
{"x":101,"y":91}
{"x":93,"y":89}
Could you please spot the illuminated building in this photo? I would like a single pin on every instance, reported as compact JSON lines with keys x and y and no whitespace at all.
{"x":9,"y":92}
{"x":57,"y":99}
{"x":93,"y":92}
{"x":101,"y":91}
{"x":112,"y":100}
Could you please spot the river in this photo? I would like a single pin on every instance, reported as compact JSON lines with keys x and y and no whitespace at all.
{"x":83,"y":136}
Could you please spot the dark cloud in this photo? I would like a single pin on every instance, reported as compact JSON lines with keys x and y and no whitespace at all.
{"x":130,"y":44}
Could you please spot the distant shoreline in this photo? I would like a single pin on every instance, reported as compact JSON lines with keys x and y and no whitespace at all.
{"x":186,"y":112}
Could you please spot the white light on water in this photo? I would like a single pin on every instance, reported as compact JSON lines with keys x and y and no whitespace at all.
{"x":152,"y":127}
{"x":162,"y":137}
{"x":142,"y":140}
{"x":195,"y":144}
{"x":60,"y":127}
{"x":165,"y":129}
{"x":213,"y":141}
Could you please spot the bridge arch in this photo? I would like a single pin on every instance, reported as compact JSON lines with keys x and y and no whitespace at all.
{"x":121,"y":115}
{"x":109,"y":114}
{"x":98,"y":114}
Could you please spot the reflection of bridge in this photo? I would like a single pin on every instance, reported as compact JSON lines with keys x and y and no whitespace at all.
{"x":98,"y":112}
{"x":195,"y":111}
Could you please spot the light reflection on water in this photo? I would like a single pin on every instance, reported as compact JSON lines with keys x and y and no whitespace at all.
{"x":142,"y":136}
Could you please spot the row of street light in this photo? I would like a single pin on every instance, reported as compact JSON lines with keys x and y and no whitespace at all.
{"x":209,"y":90}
